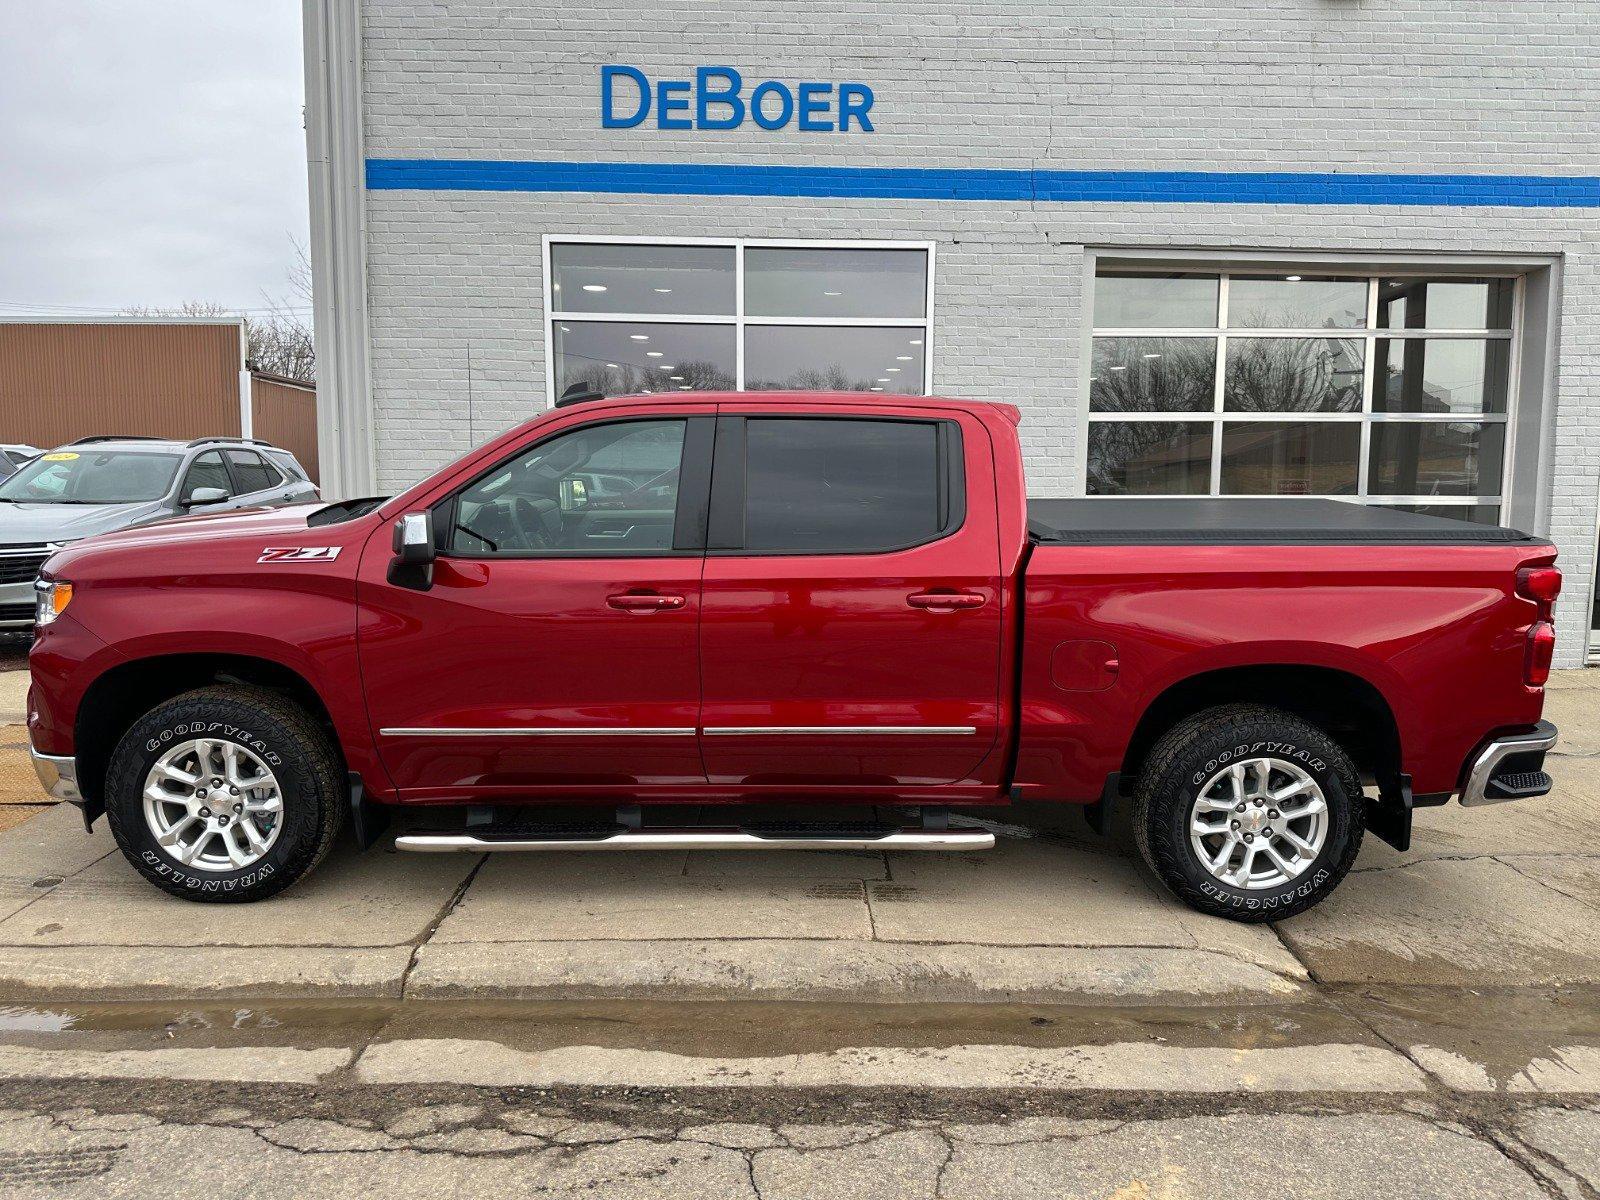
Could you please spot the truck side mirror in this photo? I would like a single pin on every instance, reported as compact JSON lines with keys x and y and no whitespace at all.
{"x":204,"y":495}
{"x":413,"y":539}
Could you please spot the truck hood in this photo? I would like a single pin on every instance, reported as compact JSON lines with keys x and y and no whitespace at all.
{"x":30,"y":524}
{"x":246,"y":522}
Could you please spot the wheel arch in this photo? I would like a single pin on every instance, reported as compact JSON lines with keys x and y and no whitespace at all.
{"x":1348,"y":707}
{"x":123,"y":693}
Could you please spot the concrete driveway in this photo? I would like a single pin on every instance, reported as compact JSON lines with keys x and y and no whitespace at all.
{"x":1506,"y":895}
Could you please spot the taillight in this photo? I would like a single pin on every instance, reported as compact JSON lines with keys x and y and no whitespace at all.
{"x":1541,"y":585}
{"x":1541,"y":649}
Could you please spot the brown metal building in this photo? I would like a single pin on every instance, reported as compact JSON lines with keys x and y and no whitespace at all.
{"x":285,"y":414}
{"x":180,"y":378}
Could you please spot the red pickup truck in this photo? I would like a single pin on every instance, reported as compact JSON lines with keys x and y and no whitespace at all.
{"x":729,"y":604}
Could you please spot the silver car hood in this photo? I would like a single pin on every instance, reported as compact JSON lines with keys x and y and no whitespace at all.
{"x":30,"y":524}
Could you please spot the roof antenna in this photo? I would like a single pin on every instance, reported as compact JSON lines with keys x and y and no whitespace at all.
{"x":578,"y":393}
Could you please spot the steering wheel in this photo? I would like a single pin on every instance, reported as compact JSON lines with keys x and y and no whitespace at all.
{"x":526,"y":518}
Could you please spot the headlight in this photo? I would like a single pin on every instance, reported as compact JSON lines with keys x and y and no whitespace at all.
{"x":51,"y":599}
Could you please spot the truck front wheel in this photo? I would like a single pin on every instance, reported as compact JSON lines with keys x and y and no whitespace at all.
{"x":225,"y":794}
{"x":1248,"y":812}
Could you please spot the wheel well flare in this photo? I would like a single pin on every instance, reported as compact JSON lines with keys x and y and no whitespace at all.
{"x":119,"y":697}
{"x":1348,"y":708}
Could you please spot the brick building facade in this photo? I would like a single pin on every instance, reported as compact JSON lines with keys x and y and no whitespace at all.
{"x":1305,"y":247}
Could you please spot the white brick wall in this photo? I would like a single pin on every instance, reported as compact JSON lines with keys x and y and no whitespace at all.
{"x":1452,"y":86}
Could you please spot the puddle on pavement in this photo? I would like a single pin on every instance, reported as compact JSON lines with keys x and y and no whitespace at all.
{"x":686,"y":1027}
{"x":18,"y":1018}
{"x":1503,"y":1030}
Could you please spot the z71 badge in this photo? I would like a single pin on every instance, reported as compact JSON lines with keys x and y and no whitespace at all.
{"x":278,"y":554}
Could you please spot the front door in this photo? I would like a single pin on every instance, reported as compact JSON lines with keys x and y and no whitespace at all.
{"x":555,"y":650}
{"x":852,"y":626}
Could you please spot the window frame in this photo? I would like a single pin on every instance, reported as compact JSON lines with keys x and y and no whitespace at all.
{"x":725,"y":530}
{"x":690,"y":514}
{"x":184,"y":489}
{"x":227,"y":457}
{"x":739,"y":320}
{"x":1372,"y":269}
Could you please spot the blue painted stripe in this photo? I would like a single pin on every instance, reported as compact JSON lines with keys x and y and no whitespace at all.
{"x":936,"y":183}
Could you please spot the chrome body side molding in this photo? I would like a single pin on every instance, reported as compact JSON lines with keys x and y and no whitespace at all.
{"x":830,"y":730}
{"x":543,"y":731}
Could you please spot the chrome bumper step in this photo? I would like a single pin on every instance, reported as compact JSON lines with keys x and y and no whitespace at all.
{"x":701,"y":839}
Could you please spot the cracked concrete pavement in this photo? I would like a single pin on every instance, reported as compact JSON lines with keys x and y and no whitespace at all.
{"x":217,"y":1140}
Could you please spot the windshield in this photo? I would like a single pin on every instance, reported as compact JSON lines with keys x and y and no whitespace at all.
{"x":92,"y":477}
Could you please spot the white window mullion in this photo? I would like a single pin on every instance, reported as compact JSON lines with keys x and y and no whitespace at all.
{"x":738,"y":317}
{"x":1219,"y":388}
{"x":927,"y":326}
{"x":1369,"y":348}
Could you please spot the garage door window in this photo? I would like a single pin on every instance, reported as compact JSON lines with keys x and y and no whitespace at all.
{"x":646,"y":317}
{"x":1389,"y":389}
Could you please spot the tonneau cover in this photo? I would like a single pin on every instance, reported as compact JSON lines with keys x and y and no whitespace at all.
{"x":1204,"y":521}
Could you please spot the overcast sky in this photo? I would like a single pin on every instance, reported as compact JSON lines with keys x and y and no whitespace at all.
{"x":151,"y":152}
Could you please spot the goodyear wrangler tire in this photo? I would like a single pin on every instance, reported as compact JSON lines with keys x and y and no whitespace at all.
{"x":225,"y":794}
{"x":1249,"y":812}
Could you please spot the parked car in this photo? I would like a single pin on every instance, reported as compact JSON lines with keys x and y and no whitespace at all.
{"x":753,"y":599}
{"x":14,"y":455}
{"x":100,"y":484}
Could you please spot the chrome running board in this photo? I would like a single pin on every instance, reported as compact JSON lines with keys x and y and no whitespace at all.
{"x":703,"y":839}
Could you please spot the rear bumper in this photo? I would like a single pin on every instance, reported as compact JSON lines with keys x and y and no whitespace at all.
{"x":1509,"y":768}
{"x":59,"y":775}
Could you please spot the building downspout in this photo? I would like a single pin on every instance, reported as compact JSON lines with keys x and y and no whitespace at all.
{"x":335,"y":171}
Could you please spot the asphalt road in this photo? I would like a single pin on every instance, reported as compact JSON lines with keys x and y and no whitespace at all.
{"x":182,"y":1139}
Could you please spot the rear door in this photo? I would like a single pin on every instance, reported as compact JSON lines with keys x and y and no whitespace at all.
{"x":851,"y":620}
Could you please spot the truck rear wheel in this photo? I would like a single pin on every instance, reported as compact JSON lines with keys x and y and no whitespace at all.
{"x":1249,"y":812}
{"x":225,"y":794}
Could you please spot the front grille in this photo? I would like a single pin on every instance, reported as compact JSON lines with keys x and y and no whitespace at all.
{"x":20,"y":564}
{"x":15,"y":612}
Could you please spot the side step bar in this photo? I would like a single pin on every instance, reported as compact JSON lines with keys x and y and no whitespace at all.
{"x":704,"y":839}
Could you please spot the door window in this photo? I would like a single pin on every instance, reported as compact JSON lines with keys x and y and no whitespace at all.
{"x":602,"y":489}
{"x":207,"y":471}
{"x":253,"y":472}
{"x":825,"y":485}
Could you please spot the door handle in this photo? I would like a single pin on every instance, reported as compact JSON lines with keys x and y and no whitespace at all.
{"x":644,"y":602}
{"x":946,"y":601}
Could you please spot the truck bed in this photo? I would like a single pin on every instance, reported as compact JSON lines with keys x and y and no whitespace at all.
{"x":1204,"y":521}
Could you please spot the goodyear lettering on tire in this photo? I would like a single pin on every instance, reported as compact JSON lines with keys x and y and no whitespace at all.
{"x":1262,"y":749}
{"x":216,"y":729}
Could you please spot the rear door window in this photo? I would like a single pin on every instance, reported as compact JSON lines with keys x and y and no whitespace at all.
{"x":832,"y":485}
{"x":253,"y":472}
